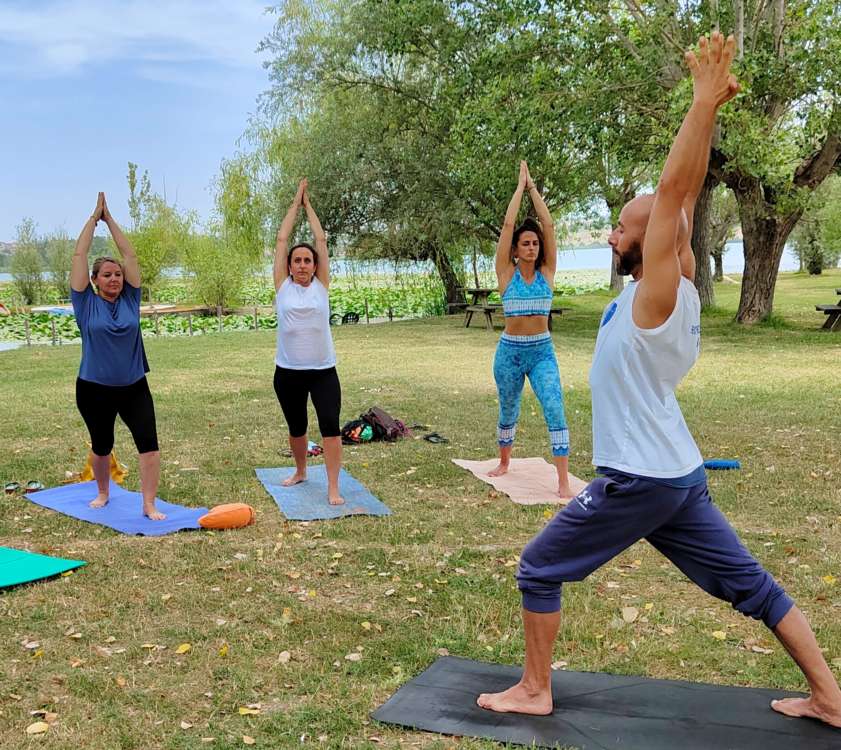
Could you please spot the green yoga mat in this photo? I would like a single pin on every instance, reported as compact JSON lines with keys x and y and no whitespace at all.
{"x":18,"y":566}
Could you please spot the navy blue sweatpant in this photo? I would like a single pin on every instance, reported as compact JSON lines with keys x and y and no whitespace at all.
{"x":617,"y":510}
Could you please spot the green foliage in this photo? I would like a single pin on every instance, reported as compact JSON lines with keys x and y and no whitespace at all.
{"x":217,"y":271}
{"x":159,"y":233}
{"x":139,"y":196}
{"x":26,"y":265}
{"x":159,"y":240}
{"x":817,"y":237}
{"x":59,"y":250}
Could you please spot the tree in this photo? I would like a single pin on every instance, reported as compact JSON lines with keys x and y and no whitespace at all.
{"x":59,"y":250}
{"x":423,"y":111}
{"x":777,"y":141}
{"x":159,"y":231}
{"x":817,"y":235}
{"x":723,"y":218}
{"x":222,"y":259}
{"x":138,"y":198}
{"x":26,"y":265}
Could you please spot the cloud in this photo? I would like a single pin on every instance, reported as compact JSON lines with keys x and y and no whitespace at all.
{"x":51,"y":38}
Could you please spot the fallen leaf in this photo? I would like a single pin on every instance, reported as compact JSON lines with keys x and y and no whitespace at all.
{"x":284,"y":657}
{"x":629,"y":614}
{"x":166,"y":597}
{"x":39,"y":727}
{"x":390,"y":592}
{"x":224,"y":650}
{"x":248,"y":711}
{"x":184,"y":648}
{"x":366,"y":625}
{"x":286,"y":615}
{"x":248,"y":740}
{"x":719,"y":635}
{"x":186,"y":725}
{"x":558,"y":664}
{"x":760,"y":650}
{"x":442,"y":652}
{"x":120,"y":680}
{"x":829,"y":579}
{"x":353,"y":656}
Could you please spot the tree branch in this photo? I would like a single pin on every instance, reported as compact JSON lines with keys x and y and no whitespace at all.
{"x":815,"y":169}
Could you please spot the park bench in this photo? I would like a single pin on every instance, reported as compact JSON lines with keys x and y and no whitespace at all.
{"x":833,"y":315}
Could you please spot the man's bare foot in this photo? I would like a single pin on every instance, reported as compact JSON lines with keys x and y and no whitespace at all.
{"x":296,"y":478}
{"x":100,"y":502}
{"x":518,"y":700}
{"x":501,"y":469}
{"x":152,"y":512}
{"x":808,"y":707}
{"x":335,"y":499}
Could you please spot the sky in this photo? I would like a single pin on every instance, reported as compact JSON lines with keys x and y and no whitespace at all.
{"x":88,"y":85}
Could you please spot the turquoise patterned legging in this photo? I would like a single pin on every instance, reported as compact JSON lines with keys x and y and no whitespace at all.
{"x":516,"y":358}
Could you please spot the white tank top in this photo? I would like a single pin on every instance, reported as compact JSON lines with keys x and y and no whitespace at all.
{"x":304,"y":341}
{"x":638,"y":427}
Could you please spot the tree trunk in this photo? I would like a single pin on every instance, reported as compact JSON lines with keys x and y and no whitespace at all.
{"x":764,"y":236}
{"x":718,"y":257}
{"x":615,"y":200}
{"x":449,"y":277}
{"x":702,"y":241}
{"x":617,"y":282}
{"x":476,"y":267}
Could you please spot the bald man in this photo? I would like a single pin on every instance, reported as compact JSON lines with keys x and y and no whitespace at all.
{"x":652,"y":483}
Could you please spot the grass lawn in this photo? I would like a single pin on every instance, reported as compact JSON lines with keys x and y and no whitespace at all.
{"x":272,"y":611}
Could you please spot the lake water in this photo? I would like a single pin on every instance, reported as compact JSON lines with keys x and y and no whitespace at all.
{"x":576,"y":259}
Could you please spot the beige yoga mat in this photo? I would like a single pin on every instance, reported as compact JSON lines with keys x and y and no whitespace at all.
{"x":529,"y":481}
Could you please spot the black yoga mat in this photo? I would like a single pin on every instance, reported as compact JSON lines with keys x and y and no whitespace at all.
{"x":598,"y":711}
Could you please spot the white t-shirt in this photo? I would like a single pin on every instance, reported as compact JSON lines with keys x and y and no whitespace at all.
{"x":304,"y":341}
{"x":638,"y":427}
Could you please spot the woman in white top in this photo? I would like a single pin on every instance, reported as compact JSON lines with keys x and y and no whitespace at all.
{"x":305,"y":365}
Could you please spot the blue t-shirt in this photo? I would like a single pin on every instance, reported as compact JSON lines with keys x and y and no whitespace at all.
{"x":112,"y":348}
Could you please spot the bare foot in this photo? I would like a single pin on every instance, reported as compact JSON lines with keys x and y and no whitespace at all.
{"x":296,"y":478}
{"x":501,"y":469}
{"x":808,"y":707}
{"x":565,"y":491}
{"x":518,"y":700}
{"x":100,"y":502}
{"x":153,"y":513}
{"x":336,"y":499}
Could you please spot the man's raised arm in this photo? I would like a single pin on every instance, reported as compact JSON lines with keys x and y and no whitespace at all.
{"x":682,"y":177}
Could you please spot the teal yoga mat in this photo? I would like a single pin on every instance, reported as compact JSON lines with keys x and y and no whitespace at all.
{"x":18,"y":566}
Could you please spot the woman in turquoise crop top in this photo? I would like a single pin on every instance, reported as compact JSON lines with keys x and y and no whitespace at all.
{"x":526,"y":257}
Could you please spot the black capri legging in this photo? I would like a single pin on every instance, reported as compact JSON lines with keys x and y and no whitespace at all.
{"x":100,"y":404}
{"x":294,"y":386}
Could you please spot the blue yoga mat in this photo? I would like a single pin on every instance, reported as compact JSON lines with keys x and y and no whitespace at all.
{"x":307,"y":501}
{"x":18,"y":566}
{"x":722,"y":464}
{"x":123,"y":512}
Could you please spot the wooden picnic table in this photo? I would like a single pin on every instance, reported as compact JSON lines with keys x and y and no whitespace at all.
{"x":489,"y":309}
{"x":479,"y":296}
{"x":833,"y":315}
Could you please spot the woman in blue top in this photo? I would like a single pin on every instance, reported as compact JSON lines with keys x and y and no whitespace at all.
{"x":526,"y":257}
{"x":112,"y":374}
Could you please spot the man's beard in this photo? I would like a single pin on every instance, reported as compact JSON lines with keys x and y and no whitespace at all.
{"x":628,"y":261}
